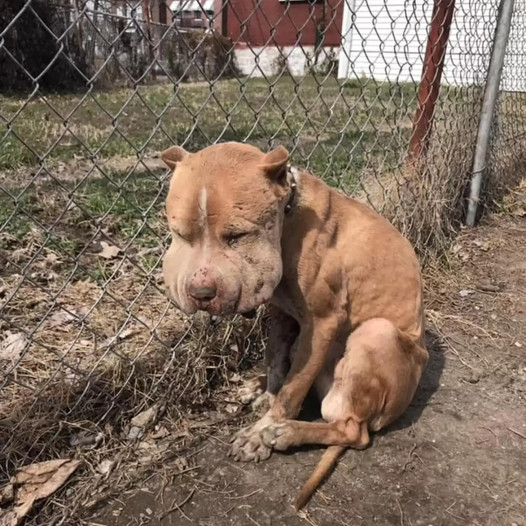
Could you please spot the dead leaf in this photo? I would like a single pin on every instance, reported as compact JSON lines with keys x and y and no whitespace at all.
{"x":485,"y":247}
{"x":455,"y":249}
{"x":108,"y":251}
{"x":18,"y":254}
{"x":67,"y":314}
{"x":129,"y":331}
{"x":519,"y":212}
{"x":105,"y":467}
{"x":12,"y":346}
{"x":231,"y":408}
{"x":59,"y":318}
{"x":86,"y":439}
{"x":235,"y":378}
{"x":489,"y":287}
{"x":161,"y":432}
{"x":8,"y":518}
{"x":36,"y":482}
{"x":146,"y":417}
{"x":181,"y":463}
{"x":143,"y":420}
{"x":465,"y":293}
{"x":53,"y":260}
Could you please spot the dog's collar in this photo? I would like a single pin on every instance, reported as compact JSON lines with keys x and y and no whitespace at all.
{"x":293,"y":182}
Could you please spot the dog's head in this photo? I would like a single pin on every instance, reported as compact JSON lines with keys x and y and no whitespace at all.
{"x":225,"y":209}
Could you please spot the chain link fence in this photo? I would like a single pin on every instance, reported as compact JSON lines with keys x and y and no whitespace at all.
{"x":93,"y":90}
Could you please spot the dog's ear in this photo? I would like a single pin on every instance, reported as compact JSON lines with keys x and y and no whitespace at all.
{"x":274,"y":164}
{"x":173,"y":155}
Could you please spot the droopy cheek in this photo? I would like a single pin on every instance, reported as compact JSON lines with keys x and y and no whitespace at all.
{"x":175,"y":264}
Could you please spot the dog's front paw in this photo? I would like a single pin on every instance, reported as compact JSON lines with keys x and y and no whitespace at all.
{"x":279,"y":436}
{"x":263,"y":402}
{"x":250,"y":391}
{"x":248,"y":445}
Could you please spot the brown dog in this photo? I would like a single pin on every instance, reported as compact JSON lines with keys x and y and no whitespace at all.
{"x":344,"y":286}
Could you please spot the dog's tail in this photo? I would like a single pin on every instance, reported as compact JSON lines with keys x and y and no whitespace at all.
{"x":325,"y":465}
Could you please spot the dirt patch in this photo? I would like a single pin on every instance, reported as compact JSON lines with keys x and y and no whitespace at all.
{"x":76,"y":170}
{"x":457,"y":457}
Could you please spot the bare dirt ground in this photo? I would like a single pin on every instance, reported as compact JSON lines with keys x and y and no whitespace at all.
{"x":457,"y":457}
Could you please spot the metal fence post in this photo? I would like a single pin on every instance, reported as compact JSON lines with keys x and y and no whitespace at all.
{"x":431,"y":75}
{"x":491,"y":92}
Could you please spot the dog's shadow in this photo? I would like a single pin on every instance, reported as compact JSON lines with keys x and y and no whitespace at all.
{"x":429,"y":384}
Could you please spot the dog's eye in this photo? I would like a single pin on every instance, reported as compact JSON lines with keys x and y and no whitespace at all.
{"x":231,"y":238}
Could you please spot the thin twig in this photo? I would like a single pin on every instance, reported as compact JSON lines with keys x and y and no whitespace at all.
{"x":247,"y":495}
{"x":453,"y":515}
{"x":409,"y":458}
{"x":178,"y":507}
{"x":518,"y":433}
{"x":253,"y":520}
{"x":185,"y":470}
{"x":194,"y":453}
{"x":492,"y":432}
{"x":305,"y":516}
{"x":401,"y":513}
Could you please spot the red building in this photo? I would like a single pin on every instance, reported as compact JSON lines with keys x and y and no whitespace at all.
{"x":279,"y":22}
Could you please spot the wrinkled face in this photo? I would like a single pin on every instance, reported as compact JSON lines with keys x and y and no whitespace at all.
{"x":225,"y":211}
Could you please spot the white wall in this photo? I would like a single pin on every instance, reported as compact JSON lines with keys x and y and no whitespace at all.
{"x":514,"y":73}
{"x":386,"y":40}
{"x":258,"y":61}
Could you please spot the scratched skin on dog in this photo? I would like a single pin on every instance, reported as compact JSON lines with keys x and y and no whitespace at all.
{"x":343,"y":284}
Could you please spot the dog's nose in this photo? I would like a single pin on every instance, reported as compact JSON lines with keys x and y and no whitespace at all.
{"x":202,"y":293}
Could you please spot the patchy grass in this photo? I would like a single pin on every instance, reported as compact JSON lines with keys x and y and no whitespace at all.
{"x":91,"y":186}
{"x":333,"y":129}
{"x":122,"y":208}
{"x":82,"y":234}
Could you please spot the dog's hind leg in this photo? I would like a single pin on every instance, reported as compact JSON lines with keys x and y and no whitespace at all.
{"x":338,"y":435}
{"x":290,"y":433}
{"x":373,"y":384}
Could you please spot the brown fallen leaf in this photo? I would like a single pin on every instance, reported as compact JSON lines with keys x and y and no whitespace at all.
{"x":108,"y":251}
{"x":105,"y":467}
{"x":65,"y":315}
{"x":11,"y":346}
{"x":36,"y":482}
{"x":161,"y":432}
{"x":129,"y":331}
{"x":7,"y":494}
{"x":489,"y":287}
{"x":142,"y":421}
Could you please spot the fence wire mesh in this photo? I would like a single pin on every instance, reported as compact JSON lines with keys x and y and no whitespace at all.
{"x":93,"y":90}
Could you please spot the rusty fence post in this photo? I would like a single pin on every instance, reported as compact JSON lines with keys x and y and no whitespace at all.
{"x":224,"y":17}
{"x":431,"y":76}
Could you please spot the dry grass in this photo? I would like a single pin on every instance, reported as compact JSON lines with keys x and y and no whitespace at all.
{"x":427,"y":199}
{"x":101,"y":343}
{"x":95,"y":357}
